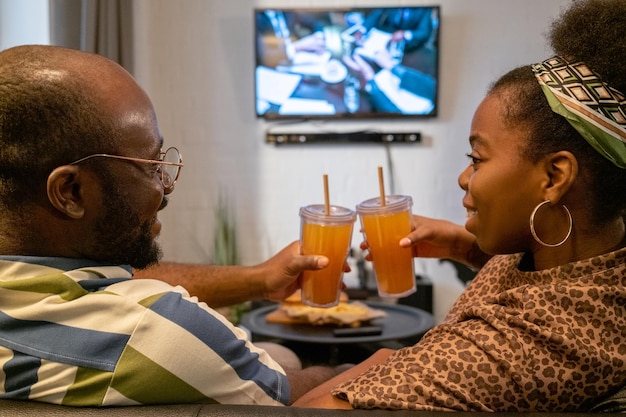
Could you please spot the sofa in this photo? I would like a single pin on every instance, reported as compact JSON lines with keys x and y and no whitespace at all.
{"x":10,"y":408}
{"x":613,"y":406}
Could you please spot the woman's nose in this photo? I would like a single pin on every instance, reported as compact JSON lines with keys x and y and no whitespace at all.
{"x":464,"y":177}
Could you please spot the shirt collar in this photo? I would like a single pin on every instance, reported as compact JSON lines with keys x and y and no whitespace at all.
{"x":65,"y":264}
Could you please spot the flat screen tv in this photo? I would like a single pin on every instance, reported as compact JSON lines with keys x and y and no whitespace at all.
{"x":346,"y":63}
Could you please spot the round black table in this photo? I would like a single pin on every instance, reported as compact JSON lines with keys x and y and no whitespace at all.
{"x":401,"y":322}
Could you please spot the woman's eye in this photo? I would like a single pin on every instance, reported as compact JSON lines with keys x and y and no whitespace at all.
{"x":473,"y":160}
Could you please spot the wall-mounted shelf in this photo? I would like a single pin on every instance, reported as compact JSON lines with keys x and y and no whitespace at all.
{"x":347,"y":137}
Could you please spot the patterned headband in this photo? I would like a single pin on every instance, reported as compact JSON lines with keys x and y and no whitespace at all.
{"x":595,"y":110}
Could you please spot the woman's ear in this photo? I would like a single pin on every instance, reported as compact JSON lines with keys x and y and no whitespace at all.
{"x":562,"y":168}
{"x":65,"y":191}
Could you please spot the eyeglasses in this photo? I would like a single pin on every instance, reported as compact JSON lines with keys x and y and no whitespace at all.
{"x":169,"y":164}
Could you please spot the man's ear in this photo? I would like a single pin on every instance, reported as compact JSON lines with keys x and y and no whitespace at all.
{"x":65,"y":191}
{"x":562,"y":168}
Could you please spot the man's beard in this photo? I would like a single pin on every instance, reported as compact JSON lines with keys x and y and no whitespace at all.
{"x":119,"y":235}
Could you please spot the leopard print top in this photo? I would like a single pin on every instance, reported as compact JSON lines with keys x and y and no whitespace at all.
{"x":550,"y":340}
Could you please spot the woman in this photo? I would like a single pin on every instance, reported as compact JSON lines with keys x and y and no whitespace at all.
{"x":542,"y":326}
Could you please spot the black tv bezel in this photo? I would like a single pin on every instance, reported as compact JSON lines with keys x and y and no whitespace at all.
{"x":277,"y":117}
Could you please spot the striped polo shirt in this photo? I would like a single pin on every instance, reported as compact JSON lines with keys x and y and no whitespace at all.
{"x":78,"y":333}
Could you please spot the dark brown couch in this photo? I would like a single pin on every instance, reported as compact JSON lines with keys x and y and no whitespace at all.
{"x":10,"y":408}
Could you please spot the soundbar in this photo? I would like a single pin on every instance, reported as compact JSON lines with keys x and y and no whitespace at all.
{"x":347,"y":137}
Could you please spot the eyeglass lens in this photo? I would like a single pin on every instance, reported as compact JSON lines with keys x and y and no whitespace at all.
{"x":170,"y":172}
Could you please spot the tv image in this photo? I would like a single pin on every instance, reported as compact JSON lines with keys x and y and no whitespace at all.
{"x":338,"y":63}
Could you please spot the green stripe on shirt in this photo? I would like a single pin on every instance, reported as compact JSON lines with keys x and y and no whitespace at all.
{"x":89,"y":387}
{"x":57,"y":284}
{"x":159,"y":386}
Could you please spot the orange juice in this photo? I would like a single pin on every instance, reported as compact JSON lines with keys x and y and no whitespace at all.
{"x":329,"y":236}
{"x":383,"y":227}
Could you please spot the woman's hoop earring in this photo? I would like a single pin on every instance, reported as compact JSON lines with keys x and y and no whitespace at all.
{"x":534,"y":233}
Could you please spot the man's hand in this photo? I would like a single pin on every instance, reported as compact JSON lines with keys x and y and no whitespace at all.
{"x":283,"y":270}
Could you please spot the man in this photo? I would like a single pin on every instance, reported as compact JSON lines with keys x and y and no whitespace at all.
{"x":83,"y":174}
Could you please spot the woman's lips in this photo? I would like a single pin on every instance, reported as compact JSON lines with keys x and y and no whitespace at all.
{"x":470,"y":213}
{"x":470,"y":218}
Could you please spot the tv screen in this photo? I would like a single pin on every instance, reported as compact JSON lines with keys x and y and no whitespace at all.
{"x":338,"y":63}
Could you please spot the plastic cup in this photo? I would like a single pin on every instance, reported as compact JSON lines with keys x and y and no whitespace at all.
{"x":329,"y":235}
{"x":383,"y":227}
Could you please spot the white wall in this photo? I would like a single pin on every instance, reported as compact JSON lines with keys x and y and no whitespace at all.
{"x":23,"y":22}
{"x":195,"y":59}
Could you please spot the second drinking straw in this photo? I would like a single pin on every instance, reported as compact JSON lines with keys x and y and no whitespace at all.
{"x":326,"y":198}
{"x":381,"y":186}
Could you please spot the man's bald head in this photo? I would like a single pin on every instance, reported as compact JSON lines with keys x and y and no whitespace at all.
{"x":57,"y":105}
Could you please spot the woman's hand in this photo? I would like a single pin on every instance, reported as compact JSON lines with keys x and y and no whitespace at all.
{"x":436,"y":238}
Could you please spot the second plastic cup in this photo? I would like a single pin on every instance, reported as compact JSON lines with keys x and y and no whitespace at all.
{"x":329,"y":235}
{"x":383,"y":227}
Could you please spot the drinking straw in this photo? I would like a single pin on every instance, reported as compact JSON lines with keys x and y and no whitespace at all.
{"x":326,"y":199}
{"x":381,"y":186}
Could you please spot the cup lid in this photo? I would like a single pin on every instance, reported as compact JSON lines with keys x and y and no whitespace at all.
{"x":337,"y":214}
{"x":393,"y":203}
